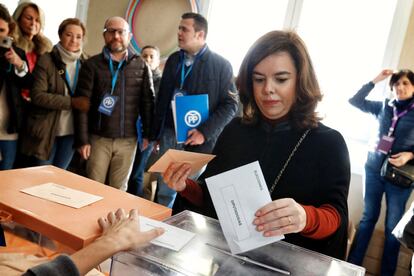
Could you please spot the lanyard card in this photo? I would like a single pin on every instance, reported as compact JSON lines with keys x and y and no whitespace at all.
{"x":108,"y":104}
{"x":178,"y":92}
{"x":385,"y":144}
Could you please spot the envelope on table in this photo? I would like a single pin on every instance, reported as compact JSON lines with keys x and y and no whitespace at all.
{"x":196,"y":160}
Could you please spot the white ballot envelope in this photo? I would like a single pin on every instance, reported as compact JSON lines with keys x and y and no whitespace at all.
{"x":173,"y":238}
{"x":237,"y":195}
{"x":196,"y":160}
{"x":62,"y":195}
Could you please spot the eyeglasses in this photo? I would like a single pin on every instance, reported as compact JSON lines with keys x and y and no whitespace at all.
{"x":120,"y":32}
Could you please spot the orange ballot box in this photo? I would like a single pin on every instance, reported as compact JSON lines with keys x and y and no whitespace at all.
{"x":73,"y":227}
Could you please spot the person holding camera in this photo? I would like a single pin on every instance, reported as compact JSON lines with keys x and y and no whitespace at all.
{"x":394,"y":148}
{"x":13,"y":77}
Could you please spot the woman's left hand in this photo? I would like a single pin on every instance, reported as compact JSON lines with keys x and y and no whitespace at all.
{"x":279,"y":217}
{"x":401,"y":158}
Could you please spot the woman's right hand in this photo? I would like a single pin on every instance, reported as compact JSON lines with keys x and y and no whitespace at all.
{"x":176,"y":174}
{"x":13,"y":58}
{"x":382,"y":75}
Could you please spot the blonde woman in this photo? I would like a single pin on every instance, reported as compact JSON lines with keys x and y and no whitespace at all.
{"x":28,"y":34}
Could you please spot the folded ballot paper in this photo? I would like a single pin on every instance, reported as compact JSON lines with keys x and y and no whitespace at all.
{"x":237,"y":195}
{"x":188,"y":112}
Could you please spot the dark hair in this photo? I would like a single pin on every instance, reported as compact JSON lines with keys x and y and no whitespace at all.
{"x":151,"y":47}
{"x":200,"y":23}
{"x":71,"y":21}
{"x":402,"y":73}
{"x":302,"y":113}
{"x":5,"y":15}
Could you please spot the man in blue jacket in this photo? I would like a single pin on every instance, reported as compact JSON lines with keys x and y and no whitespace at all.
{"x":193,"y":70}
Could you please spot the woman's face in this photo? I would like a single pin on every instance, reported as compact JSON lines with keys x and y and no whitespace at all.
{"x":29,"y":22}
{"x":403,"y":89}
{"x":72,"y":38}
{"x":4,"y":28}
{"x":274,"y":85}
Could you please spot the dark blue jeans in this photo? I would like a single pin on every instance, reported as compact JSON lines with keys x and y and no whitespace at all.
{"x":61,"y":155}
{"x":8,"y":154}
{"x":136,"y":180}
{"x":396,"y":199}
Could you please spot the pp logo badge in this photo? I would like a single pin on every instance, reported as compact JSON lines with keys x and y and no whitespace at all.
{"x":108,"y":102}
{"x":192,"y":118}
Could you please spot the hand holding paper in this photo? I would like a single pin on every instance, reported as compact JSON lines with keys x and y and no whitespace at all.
{"x":237,"y":195}
{"x":281,"y":216}
{"x":196,"y":160}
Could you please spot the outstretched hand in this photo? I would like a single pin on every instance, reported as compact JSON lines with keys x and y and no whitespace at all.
{"x":119,"y":233}
{"x":124,"y":231}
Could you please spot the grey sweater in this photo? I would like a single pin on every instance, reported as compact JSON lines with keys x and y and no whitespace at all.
{"x":61,"y":266}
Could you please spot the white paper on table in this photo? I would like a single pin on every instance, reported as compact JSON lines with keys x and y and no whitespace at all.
{"x":173,"y":238}
{"x":237,"y":195}
{"x":62,"y":195}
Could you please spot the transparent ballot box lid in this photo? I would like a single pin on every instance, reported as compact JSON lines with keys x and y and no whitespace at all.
{"x":204,"y":255}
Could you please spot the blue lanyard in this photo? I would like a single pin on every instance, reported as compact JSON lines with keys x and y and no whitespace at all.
{"x":114,"y":74}
{"x":184,"y":74}
{"x":75,"y":79}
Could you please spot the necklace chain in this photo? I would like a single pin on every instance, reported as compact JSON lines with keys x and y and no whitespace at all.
{"x":288,"y":160}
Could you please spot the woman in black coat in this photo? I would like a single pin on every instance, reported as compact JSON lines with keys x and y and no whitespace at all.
{"x":308,"y":186}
